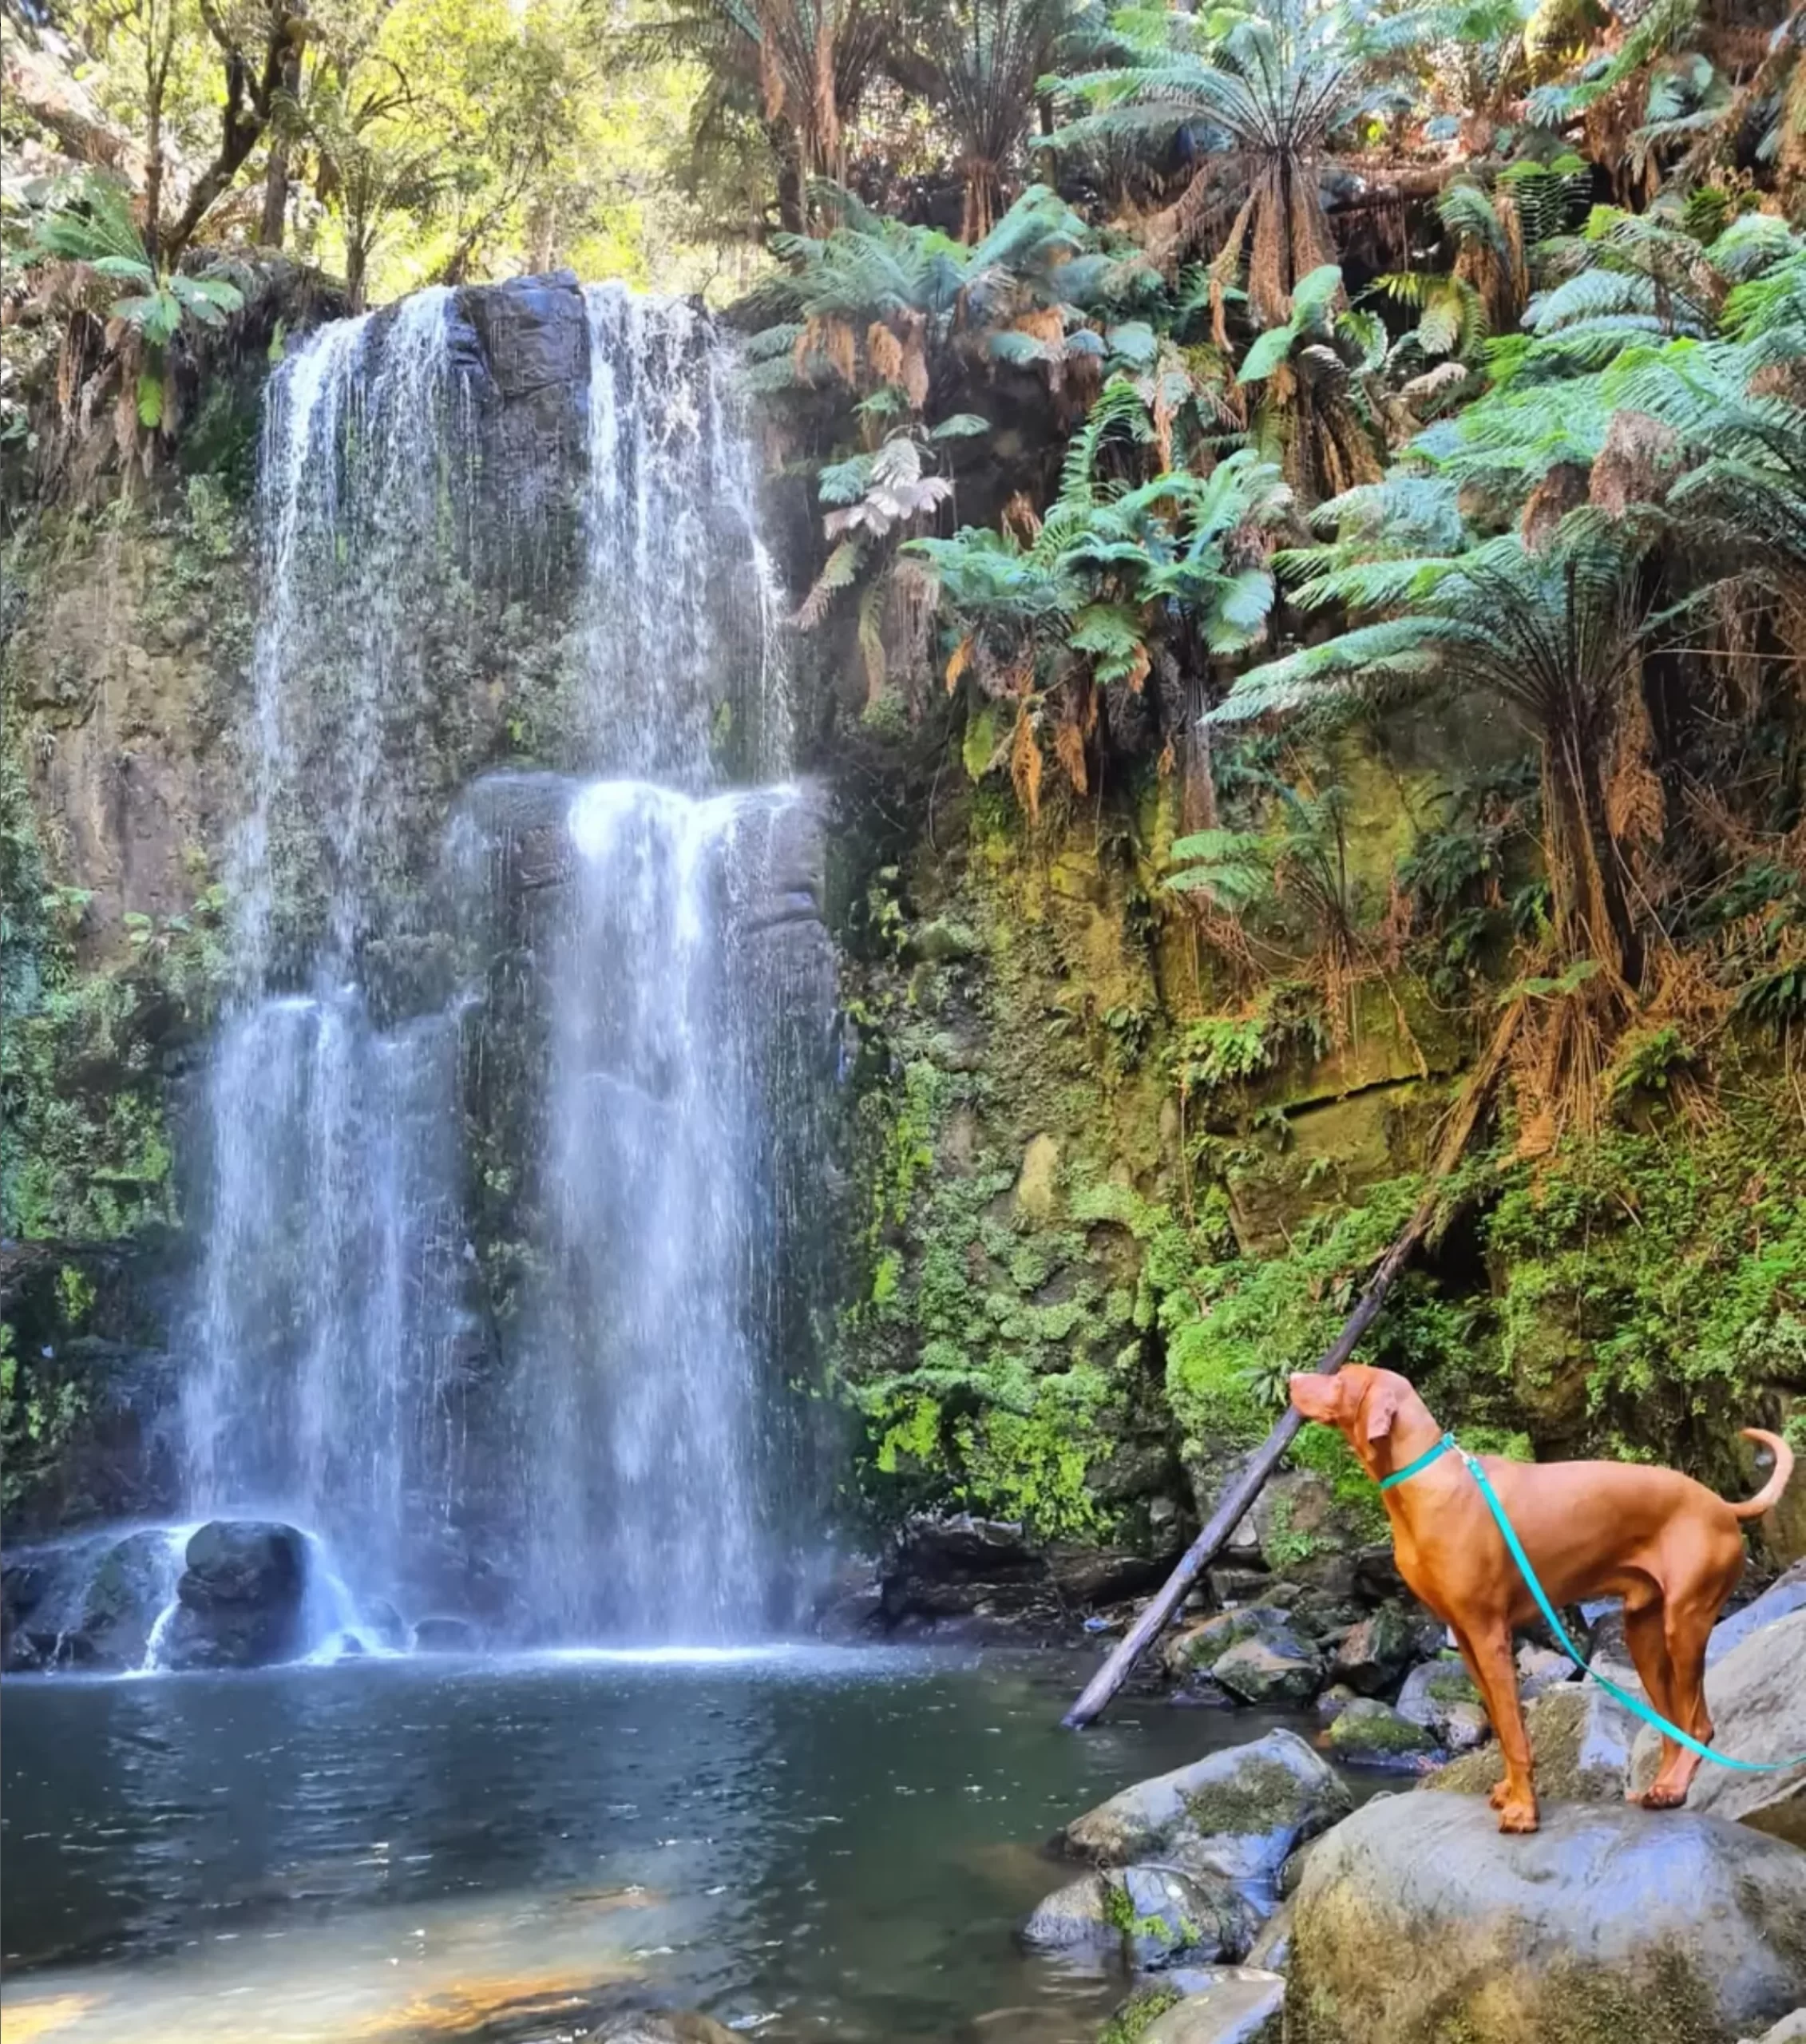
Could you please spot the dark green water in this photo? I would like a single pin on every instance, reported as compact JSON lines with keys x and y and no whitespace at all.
{"x":808,"y":1844}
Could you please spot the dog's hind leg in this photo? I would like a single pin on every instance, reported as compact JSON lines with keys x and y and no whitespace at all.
{"x":1646,"y":1633}
{"x":1688,"y":1619}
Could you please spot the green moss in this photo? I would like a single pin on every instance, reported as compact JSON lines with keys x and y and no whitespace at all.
{"x":1139,"y":2014}
{"x":1257,"y":1798}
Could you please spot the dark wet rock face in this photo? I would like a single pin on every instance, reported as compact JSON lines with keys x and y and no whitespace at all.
{"x":241,"y":1597}
{"x":1416,"y":1920}
{"x":445,"y":1635}
{"x":972,"y":1578}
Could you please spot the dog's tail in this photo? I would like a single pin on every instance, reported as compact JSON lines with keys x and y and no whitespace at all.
{"x":1770,"y":1492}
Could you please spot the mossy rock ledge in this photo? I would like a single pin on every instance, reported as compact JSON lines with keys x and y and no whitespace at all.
{"x":1418,"y":1923}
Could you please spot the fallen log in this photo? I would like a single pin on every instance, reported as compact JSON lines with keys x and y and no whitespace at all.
{"x":1249,"y":1485}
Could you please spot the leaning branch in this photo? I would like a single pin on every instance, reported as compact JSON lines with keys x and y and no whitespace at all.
{"x":1248,"y":1486}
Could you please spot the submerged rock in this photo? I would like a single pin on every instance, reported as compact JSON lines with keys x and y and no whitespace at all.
{"x":661,"y":2026}
{"x":240,"y":1596}
{"x":1148,"y":1917}
{"x":1238,"y":1812}
{"x":1756,"y":1696}
{"x":1606,"y":1925}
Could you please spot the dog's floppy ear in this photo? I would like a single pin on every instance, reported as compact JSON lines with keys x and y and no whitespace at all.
{"x":1380,"y":1408}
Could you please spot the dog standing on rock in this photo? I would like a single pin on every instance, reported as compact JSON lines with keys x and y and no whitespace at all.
{"x":1671,"y":1548}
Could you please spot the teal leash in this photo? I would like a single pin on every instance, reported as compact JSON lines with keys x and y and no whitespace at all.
{"x":1634,"y":1705}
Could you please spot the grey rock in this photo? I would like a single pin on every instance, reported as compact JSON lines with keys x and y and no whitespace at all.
{"x":1245,"y":2006}
{"x":1541,"y":1668}
{"x":1785,"y":1595}
{"x":1271,"y":1951}
{"x":1440,"y":1697}
{"x":1148,"y":1917}
{"x":1606,"y":1922}
{"x":1376,"y":1654}
{"x":1757,"y":1698}
{"x":1581,"y":1737}
{"x":662,"y":2027}
{"x":1790,"y":2030}
{"x":1275,"y":1666}
{"x":1238,"y":1812}
{"x":1200,"y":1646}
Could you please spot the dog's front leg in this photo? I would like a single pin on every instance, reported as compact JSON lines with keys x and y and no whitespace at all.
{"x":1487,"y":1653}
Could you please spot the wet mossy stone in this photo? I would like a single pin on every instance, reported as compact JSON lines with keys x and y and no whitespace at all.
{"x":1440,"y":1696}
{"x":1201,"y":1646}
{"x":1274,"y":1666}
{"x":1375,"y":1655}
{"x":1238,"y":1812}
{"x":1371,"y":1734}
{"x":1148,"y":1917}
{"x":1244,"y":2006}
{"x":1581,"y":1741}
{"x":1417,"y":1922}
{"x":662,"y":2027}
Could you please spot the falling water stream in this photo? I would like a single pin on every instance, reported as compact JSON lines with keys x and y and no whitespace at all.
{"x":337,"y":1305}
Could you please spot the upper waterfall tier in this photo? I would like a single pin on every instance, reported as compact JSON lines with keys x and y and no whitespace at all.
{"x":510,"y":1125}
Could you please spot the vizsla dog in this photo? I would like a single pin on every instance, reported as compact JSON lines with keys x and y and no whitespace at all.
{"x":1665,"y":1544}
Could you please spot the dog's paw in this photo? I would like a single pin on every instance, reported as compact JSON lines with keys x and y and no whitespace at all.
{"x":1658,"y":1796}
{"x":1501,"y":1793}
{"x":1517,"y":1814}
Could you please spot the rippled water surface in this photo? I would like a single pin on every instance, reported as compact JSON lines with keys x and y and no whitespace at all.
{"x":808,"y":1844}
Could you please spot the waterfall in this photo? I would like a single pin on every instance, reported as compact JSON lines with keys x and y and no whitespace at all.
{"x":593,"y":973}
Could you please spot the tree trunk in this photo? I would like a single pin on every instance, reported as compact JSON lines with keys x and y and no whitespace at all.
{"x":1589,"y":887}
{"x":274,"y":225}
{"x":793,"y":213}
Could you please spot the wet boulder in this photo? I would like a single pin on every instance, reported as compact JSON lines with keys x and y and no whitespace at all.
{"x":126,"y":1594}
{"x":1275,"y":1667}
{"x":1374,"y":1657}
{"x":241,"y":1597}
{"x":1607,"y":1924}
{"x":1147,"y":1917}
{"x":1244,"y":2006}
{"x":1756,"y":1696}
{"x":1581,"y":1737}
{"x":1440,"y":1696}
{"x":1369,"y":1733}
{"x":1239,"y":1812}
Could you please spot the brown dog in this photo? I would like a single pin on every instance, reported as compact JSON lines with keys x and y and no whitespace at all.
{"x":1665,"y":1544}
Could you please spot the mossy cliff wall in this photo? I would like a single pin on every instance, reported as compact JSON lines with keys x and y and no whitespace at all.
{"x":1114,"y":1184}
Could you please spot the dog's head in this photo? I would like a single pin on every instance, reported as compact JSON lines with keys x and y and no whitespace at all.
{"x":1362,"y":1404}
